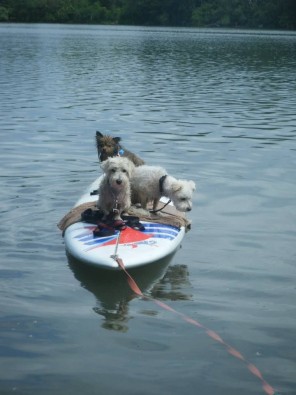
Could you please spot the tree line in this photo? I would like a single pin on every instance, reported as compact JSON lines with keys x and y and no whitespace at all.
{"x":262,"y":14}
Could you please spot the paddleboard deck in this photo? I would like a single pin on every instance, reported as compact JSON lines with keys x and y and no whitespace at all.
{"x":135,"y":248}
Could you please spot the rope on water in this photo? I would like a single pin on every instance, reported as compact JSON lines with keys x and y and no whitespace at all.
{"x":267,"y":388}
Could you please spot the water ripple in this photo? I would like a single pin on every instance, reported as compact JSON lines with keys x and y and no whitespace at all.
{"x":214,"y":106}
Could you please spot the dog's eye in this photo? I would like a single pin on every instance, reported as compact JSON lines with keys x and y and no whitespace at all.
{"x":124,"y":171}
{"x":113,"y":170}
{"x":183,"y":199}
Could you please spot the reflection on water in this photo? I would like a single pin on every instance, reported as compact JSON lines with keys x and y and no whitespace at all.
{"x":171,"y":285}
{"x":158,"y":281}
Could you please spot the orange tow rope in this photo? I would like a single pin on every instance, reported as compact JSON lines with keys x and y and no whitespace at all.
{"x":267,"y":388}
{"x":131,"y":282}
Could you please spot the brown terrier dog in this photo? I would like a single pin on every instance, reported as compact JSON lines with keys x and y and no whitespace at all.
{"x":109,"y":146}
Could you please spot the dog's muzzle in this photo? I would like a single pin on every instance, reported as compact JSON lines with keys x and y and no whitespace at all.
{"x":118,"y":182}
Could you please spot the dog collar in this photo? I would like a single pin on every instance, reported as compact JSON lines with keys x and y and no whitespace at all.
{"x":161,"y":182}
{"x":118,"y":151}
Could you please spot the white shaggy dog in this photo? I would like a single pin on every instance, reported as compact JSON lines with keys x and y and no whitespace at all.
{"x":151,"y":182}
{"x":114,"y":189}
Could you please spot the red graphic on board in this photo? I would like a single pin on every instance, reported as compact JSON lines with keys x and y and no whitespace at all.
{"x":129,"y":235}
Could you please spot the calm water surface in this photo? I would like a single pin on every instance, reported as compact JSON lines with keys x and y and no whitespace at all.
{"x":217,"y":107}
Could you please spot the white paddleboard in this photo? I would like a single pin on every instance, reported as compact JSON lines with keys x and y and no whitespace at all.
{"x":134,"y":247}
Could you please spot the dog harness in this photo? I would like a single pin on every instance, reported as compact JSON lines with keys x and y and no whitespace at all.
{"x":161,"y":182}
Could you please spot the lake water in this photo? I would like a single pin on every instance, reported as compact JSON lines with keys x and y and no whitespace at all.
{"x":215,"y":106}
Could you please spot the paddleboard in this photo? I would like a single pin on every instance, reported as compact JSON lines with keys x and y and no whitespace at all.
{"x":135,"y":248}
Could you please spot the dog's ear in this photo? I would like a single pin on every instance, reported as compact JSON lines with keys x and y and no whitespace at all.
{"x":98,"y":134}
{"x":104,"y":165}
{"x":116,"y":139}
{"x":176,"y":187}
{"x":131,"y":168}
{"x":192,"y":185}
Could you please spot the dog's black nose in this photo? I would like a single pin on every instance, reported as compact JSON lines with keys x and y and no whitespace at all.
{"x":118,"y":182}
{"x":189,"y":209}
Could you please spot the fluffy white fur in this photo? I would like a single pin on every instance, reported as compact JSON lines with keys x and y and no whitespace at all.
{"x":114,"y":189}
{"x":145,"y":188}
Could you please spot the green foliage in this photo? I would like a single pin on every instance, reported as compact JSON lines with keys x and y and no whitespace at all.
{"x":268,"y":14}
{"x":4,"y":15}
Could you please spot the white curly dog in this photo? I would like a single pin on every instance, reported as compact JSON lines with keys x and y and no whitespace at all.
{"x":114,"y":189}
{"x":149,"y":183}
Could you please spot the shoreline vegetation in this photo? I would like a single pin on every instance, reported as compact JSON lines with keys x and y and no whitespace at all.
{"x":256,"y":14}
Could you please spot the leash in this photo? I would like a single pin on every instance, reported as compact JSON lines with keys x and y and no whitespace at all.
{"x":267,"y":388}
{"x":115,"y":256}
{"x":160,"y":209}
{"x":115,"y":200}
